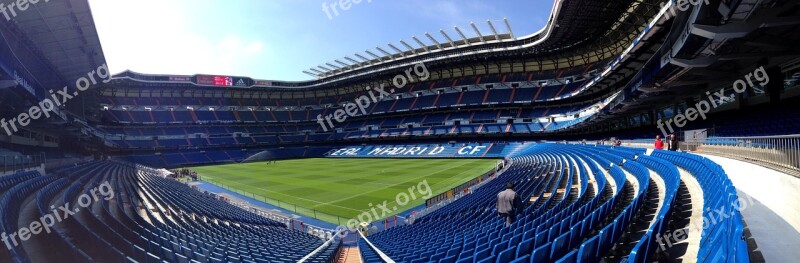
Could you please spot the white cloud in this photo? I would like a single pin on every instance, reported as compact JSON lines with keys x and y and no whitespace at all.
{"x":255,"y":47}
{"x":163,"y":41}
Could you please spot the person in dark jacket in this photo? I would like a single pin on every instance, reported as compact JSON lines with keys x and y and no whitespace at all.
{"x":508,"y":204}
{"x":673,"y":142}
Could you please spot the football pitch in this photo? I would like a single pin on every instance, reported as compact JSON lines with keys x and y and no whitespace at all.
{"x":338,"y":189}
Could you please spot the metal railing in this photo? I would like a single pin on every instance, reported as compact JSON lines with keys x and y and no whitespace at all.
{"x":20,"y":162}
{"x":781,"y":152}
{"x":778,"y":152}
{"x":433,"y":206}
{"x":319,"y":249}
{"x":380,"y":253}
{"x":289,"y":221}
{"x":467,"y":186}
{"x":299,"y":209}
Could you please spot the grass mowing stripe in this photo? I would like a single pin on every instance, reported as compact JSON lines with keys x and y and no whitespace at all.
{"x":344,"y":187}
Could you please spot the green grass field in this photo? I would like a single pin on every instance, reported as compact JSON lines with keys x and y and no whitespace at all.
{"x":338,"y":189}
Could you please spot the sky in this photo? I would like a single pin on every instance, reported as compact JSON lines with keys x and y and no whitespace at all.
{"x":278,"y":39}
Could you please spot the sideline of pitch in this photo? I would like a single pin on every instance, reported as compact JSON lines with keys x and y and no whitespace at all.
{"x":401,"y":199}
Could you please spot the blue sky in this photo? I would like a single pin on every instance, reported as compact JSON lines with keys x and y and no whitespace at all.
{"x":278,"y":39}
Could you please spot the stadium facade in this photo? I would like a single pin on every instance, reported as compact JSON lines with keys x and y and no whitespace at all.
{"x":548,"y":106}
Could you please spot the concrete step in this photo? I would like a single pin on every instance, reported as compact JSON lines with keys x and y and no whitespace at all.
{"x":350,"y":255}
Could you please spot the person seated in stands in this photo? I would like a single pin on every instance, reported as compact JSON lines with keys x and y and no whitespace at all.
{"x":622,"y":163}
{"x":508,"y":204}
{"x":635,"y":157}
{"x":659,"y":144}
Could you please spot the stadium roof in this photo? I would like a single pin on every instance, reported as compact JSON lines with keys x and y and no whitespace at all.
{"x":571,"y":24}
{"x":578,"y":32}
{"x":64,"y":33}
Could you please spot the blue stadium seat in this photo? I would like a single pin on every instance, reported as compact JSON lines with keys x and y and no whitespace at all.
{"x":541,"y":254}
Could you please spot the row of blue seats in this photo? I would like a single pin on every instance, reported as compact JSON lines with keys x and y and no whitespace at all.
{"x":368,"y":254}
{"x":491,"y":95}
{"x":149,"y":219}
{"x":560,"y":231}
{"x":723,"y":239}
{"x":645,"y":247}
{"x":10,"y":205}
{"x":174,"y":143}
{"x":306,"y":118}
{"x":6,"y":182}
{"x":492,"y":250}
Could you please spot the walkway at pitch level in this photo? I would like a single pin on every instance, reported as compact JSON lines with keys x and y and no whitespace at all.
{"x":771,"y":214}
{"x":266,"y":206}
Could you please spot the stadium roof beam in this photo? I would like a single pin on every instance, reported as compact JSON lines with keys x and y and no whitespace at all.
{"x":364,"y":58}
{"x":397,"y":49}
{"x":341,"y":63}
{"x":408,"y":46}
{"x":333,"y":66}
{"x":312,"y":74}
{"x":438,"y":45}
{"x":508,"y":26}
{"x":420,"y":43}
{"x":352,"y":60}
{"x":463,"y":37}
{"x":318,"y":71}
{"x":385,"y":53}
{"x":452,"y":44}
{"x":373,"y":54}
{"x":326,"y":69}
{"x":477,"y":32}
{"x":494,"y":30}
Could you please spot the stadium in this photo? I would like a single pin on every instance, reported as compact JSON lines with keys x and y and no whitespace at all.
{"x":620,"y":131}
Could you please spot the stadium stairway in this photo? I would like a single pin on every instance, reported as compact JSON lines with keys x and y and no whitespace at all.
{"x":350,"y":254}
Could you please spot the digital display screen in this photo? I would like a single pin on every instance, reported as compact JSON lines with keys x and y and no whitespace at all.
{"x":223,"y":81}
{"x":215,"y":80}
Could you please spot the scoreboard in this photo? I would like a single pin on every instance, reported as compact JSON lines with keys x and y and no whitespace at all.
{"x":204,"y":80}
{"x":224,"y":81}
